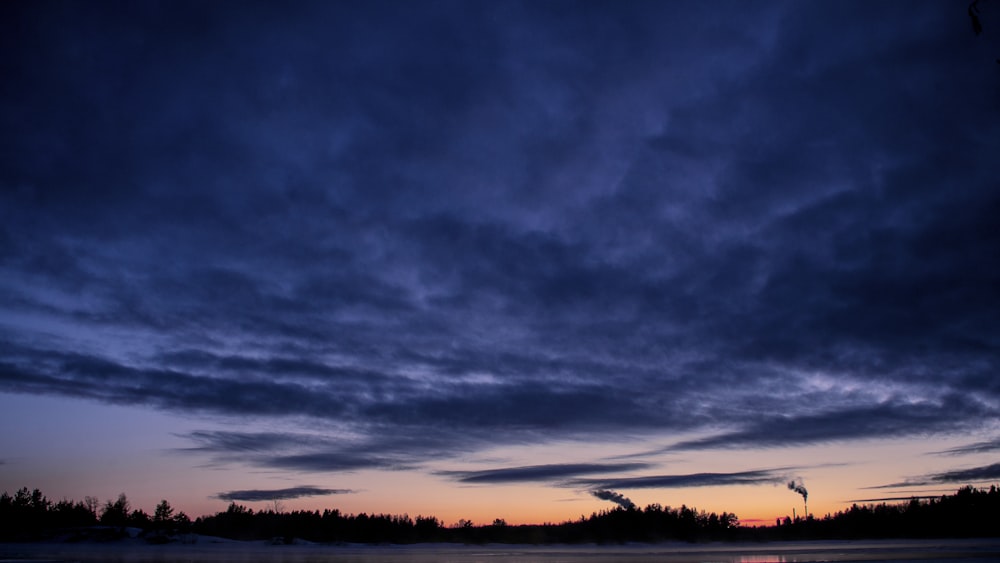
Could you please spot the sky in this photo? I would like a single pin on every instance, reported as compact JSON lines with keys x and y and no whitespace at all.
{"x":499,"y":259}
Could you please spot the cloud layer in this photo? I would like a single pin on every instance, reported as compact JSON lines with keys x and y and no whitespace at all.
{"x":976,"y":448}
{"x":552,"y":472}
{"x":980,"y":474}
{"x":431,"y":230}
{"x":257,"y":495}
{"x":753,"y":477}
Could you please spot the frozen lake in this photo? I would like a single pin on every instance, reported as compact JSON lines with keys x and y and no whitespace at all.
{"x":889,"y":550}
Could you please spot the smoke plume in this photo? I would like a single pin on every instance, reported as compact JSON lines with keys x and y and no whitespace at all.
{"x":617,"y":498}
{"x":799,"y":487}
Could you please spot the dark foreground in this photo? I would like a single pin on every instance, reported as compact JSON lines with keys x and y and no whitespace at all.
{"x":205,"y":551}
{"x":28,"y":516}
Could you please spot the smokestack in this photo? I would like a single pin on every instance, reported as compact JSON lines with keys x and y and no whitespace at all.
{"x":617,"y":498}
{"x":799,"y":487}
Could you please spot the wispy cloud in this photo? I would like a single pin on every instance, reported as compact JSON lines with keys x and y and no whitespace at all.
{"x":313,"y":452}
{"x":976,"y":448}
{"x":969,"y":475}
{"x":255,"y":495}
{"x":886,"y":419}
{"x":895,"y":499}
{"x":551,"y":472}
{"x":754,"y":477}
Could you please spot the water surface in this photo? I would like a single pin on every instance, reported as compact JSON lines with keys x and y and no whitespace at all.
{"x":255,"y":552}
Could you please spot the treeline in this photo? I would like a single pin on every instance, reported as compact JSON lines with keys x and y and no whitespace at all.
{"x":970,"y":512}
{"x":30,"y":516}
{"x":655,"y":523}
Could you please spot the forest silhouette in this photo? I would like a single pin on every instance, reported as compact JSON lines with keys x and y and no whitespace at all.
{"x":28,"y":515}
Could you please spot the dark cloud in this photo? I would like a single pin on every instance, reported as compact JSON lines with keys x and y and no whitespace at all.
{"x":975,"y":448}
{"x":90,"y":377}
{"x":317,"y":453}
{"x":274,"y":389}
{"x":551,"y":472}
{"x":255,"y":495}
{"x":754,"y":477}
{"x":441,"y":228}
{"x":332,"y":462}
{"x":896,"y":499}
{"x":984,"y":473}
{"x":970,"y":475}
{"x":245,"y":442}
{"x":882,"y":420}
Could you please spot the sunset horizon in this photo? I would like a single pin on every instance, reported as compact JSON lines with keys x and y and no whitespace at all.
{"x":513,"y":260}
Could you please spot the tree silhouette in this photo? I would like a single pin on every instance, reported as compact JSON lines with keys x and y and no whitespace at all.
{"x":116,"y":513}
{"x":163,"y":515}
